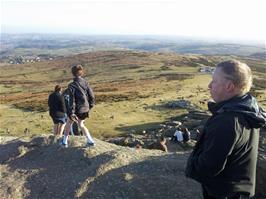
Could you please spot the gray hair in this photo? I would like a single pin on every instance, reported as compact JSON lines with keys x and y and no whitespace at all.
{"x":239,"y":73}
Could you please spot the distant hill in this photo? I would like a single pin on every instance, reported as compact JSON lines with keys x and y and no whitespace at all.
{"x":63,"y":45}
{"x":261,"y":55}
{"x":103,"y":69}
{"x":131,"y":88}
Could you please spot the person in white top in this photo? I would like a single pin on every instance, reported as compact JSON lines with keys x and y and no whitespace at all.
{"x":179,"y":136}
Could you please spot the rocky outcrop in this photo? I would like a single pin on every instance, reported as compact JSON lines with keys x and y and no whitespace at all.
{"x":193,"y":121}
{"x":40,"y":168}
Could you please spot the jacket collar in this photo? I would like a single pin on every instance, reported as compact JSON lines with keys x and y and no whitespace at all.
{"x":215,"y":108}
{"x":77,"y":78}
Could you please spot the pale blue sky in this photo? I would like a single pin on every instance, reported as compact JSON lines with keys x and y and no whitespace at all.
{"x":225,"y":19}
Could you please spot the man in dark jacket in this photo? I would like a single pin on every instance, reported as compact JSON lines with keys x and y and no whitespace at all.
{"x":57,"y":110}
{"x":81,"y":101}
{"x":225,"y":156}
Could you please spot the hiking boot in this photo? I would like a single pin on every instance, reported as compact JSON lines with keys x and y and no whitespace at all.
{"x":90,"y":144}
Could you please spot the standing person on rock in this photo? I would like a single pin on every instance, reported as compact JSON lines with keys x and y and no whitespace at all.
{"x":57,"y":110}
{"x":81,"y":101}
{"x":224,"y":158}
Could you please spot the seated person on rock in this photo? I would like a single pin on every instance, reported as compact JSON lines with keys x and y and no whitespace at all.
{"x":181,"y":135}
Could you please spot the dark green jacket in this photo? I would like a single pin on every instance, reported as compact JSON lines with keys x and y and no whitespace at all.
{"x":225,"y":156}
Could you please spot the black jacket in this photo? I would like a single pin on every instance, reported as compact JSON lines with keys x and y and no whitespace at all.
{"x":56,"y":103}
{"x":81,"y":97}
{"x":225,"y":156}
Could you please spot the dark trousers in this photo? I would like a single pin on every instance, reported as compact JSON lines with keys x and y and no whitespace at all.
{"x":232,"y":196}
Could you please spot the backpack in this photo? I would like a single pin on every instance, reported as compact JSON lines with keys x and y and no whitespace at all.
{"x":83,"y":105}
{"x":66,"y":96}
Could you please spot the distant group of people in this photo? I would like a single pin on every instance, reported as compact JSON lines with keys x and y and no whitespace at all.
{"x":72,"y":105}
{"x":225,"y":155}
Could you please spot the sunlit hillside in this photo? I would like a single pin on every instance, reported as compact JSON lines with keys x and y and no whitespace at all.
{"x":131,"y":89}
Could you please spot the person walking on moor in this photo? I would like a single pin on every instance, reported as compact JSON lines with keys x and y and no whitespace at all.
{"x":57,"y":110}
{"x":224,"y":158}
{"x":81,"y":101}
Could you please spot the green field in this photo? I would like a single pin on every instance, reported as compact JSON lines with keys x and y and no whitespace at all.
{"x":131,"y":89}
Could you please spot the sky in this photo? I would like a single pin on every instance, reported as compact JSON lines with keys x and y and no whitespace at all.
{"x":224,"y":19}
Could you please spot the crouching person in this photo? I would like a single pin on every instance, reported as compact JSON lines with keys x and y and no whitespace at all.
{"x":80,"y":102}
{"x":159,"y":145}
{"x":186,"y":135}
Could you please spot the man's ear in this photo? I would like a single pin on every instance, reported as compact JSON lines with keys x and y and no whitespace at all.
{"x":230,"y":86}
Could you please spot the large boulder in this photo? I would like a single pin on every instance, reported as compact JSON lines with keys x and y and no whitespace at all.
{"x":106,"y":171}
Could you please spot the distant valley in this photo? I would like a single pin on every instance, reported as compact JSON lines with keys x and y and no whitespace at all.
{"x":22,"y":48}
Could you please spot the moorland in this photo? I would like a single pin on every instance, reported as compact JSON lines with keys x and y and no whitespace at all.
{"x":132,"y":83}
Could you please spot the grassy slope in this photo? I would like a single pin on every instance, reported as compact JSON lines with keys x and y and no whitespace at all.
{"x":130,"y":88}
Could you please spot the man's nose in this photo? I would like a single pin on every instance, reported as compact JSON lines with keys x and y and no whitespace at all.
{"x":209,"y":85}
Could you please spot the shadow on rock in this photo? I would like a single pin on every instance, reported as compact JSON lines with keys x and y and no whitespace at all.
{"x":55,"y":172}
{"x":157,"y":177}
{"x":10,"y":150}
